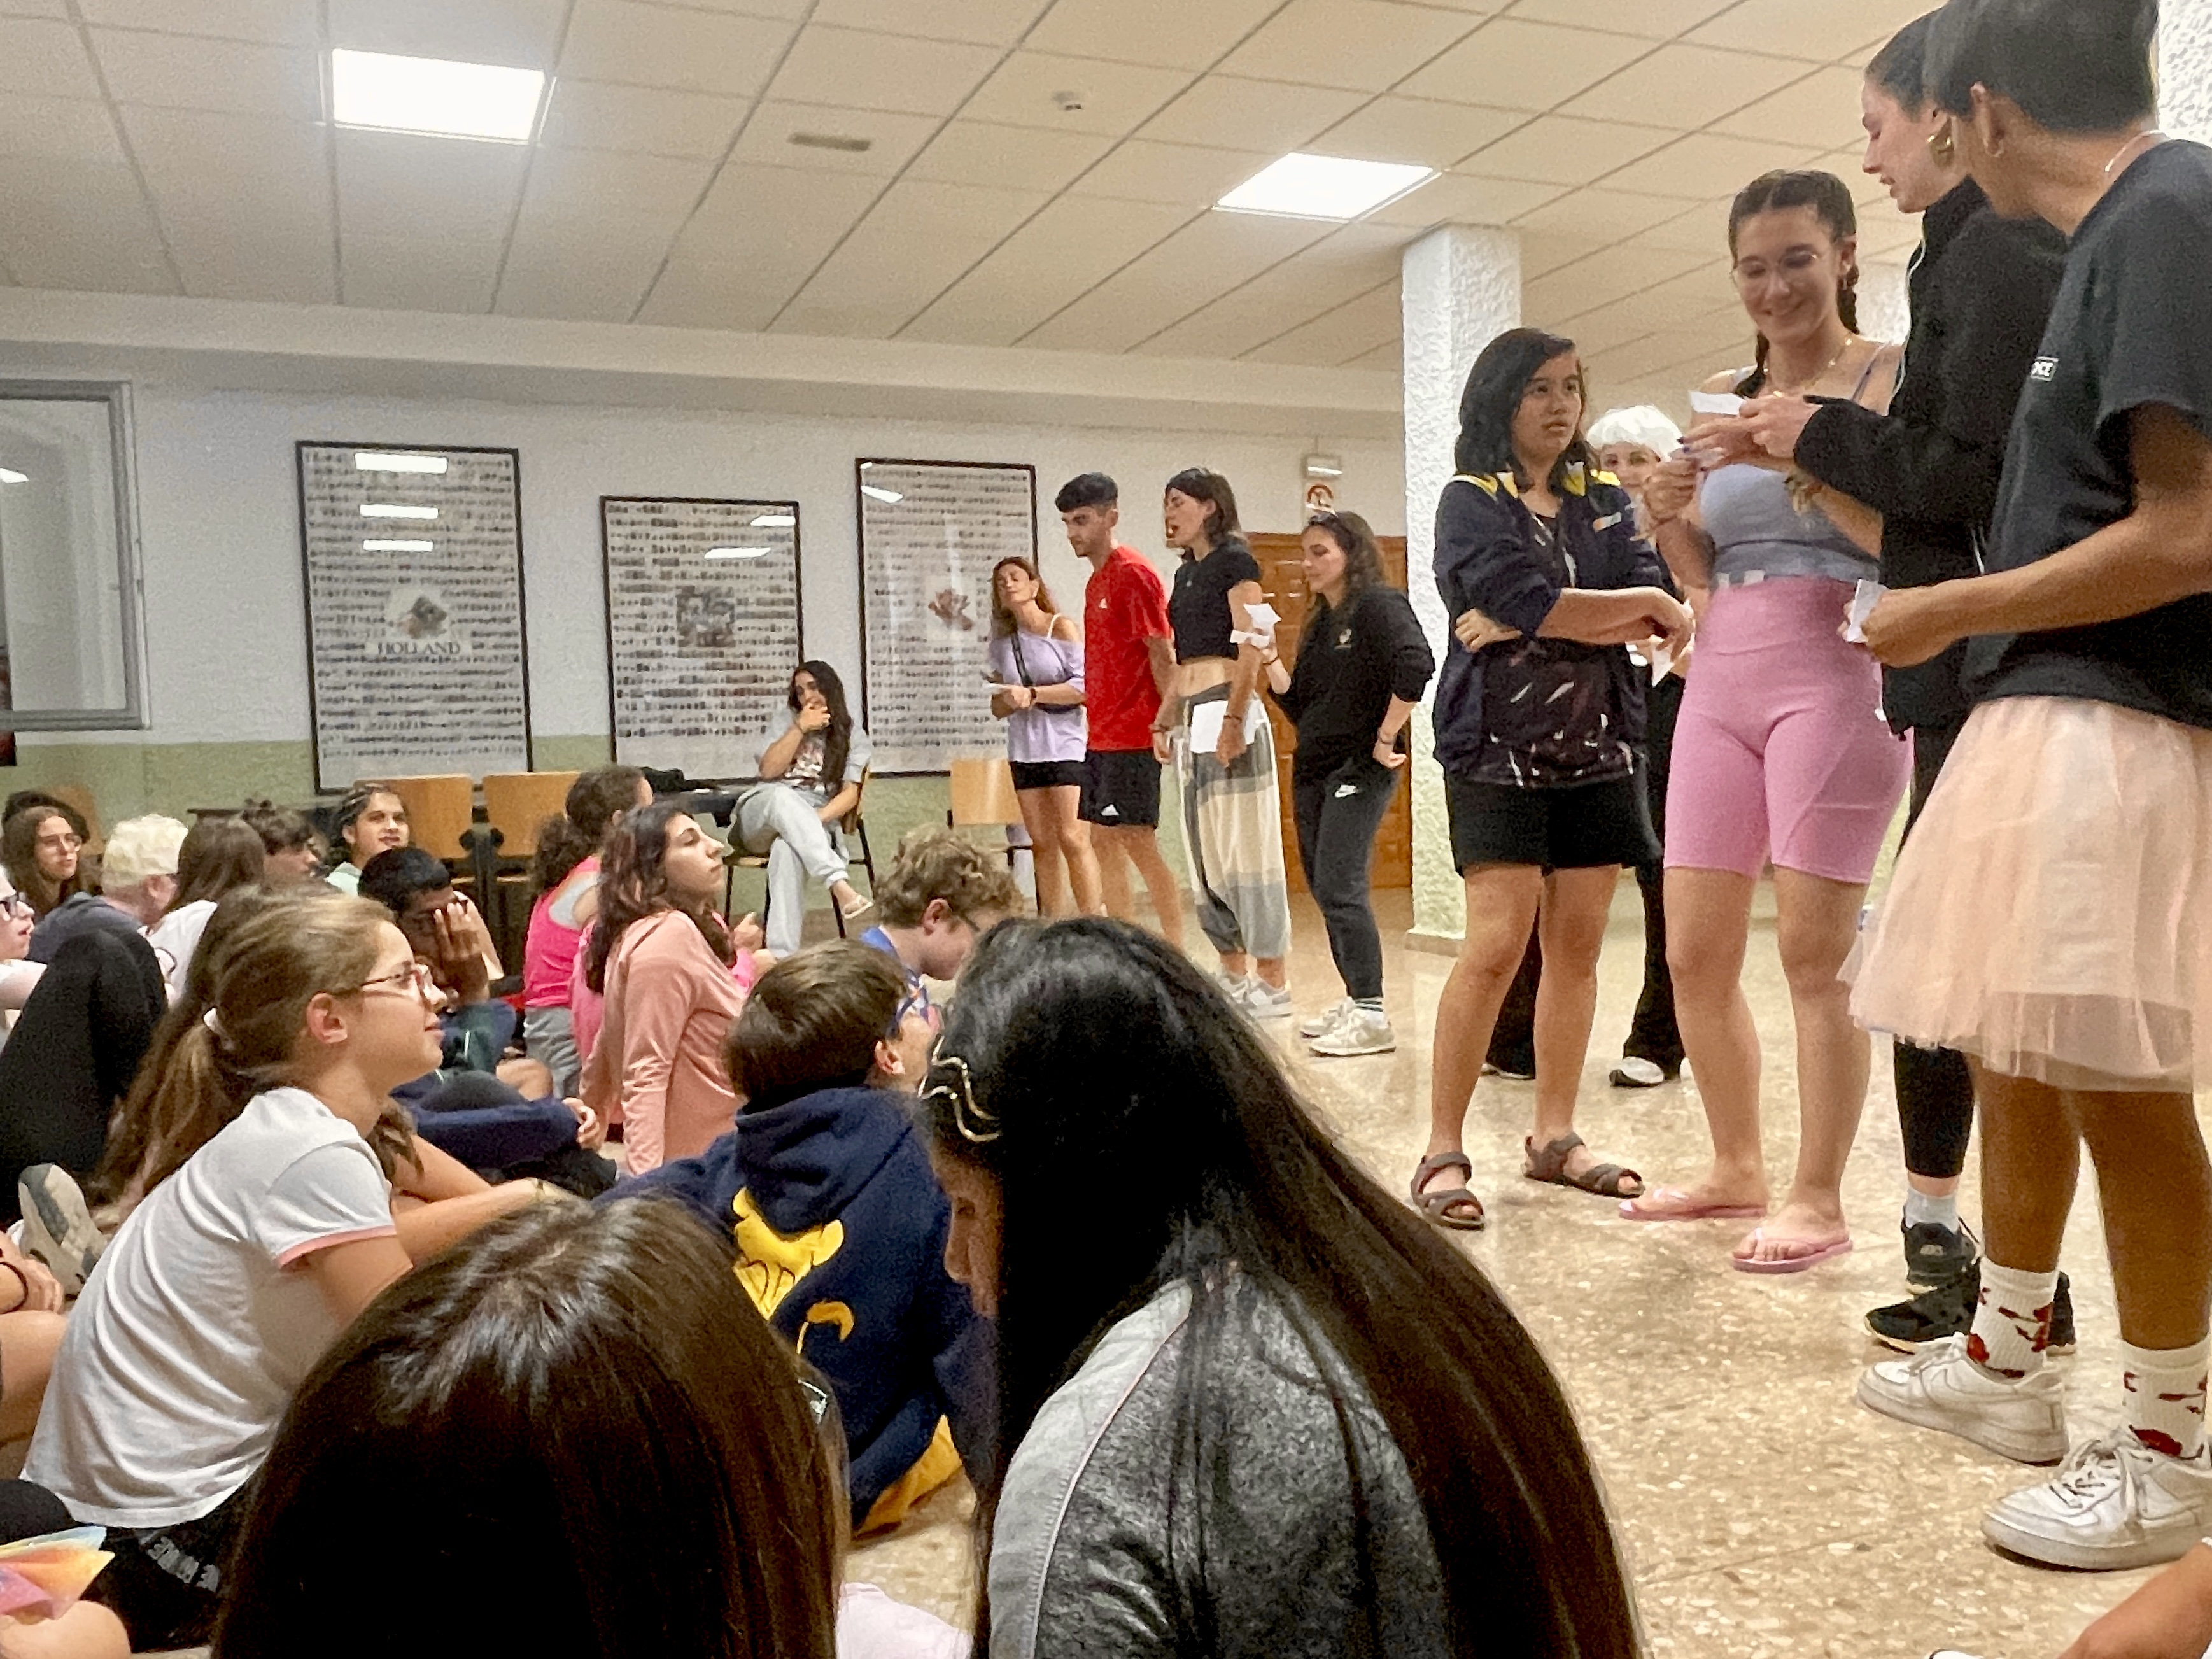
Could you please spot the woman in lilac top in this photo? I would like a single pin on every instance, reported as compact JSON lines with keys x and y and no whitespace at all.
{"x":1037,"y":688}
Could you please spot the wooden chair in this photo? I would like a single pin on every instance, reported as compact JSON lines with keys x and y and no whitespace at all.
{"x":983,"y":797}
{"x":854,"y":827}
{"x":441,"y":809}
{"x":516,"y":806}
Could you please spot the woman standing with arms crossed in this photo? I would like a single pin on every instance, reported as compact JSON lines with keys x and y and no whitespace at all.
{"x":1232,"y":815}
{"x":1037,"y":673}
{"x":1781,"y":751}
{"x":1361,"y":666}
{"x":1537,"y":713}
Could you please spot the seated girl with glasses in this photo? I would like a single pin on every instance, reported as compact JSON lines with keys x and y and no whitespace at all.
{"x":234,"y":1273}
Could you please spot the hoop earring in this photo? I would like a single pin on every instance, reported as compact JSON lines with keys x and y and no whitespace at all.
{"x":1943,"y":144}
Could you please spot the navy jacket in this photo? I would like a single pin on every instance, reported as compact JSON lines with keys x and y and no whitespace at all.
{"x":840,"y":1229}
{"x":465,"y":1112}
{"x":1485,"y":561}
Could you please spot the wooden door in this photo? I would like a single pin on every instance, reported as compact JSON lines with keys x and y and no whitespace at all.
{"x":1284,"y":579}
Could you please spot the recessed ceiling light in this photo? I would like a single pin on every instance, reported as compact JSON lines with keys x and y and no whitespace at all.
{"x":435,"y":95}
{"x":775,"y":521}
{"x":875,"y":493}
{"x":737,"y":552}
{"x":376,"y":546}
{"x":7,"y":476}
{"x":377,"y":460}
{"x":1301,"y":186}
{"x":388,"y":510}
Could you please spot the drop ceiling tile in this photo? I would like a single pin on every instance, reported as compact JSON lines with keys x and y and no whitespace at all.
{"x":1703,"y":165}
{"x":1021,"y":158}
{"x":1367,"y":45}
{"x":522,"y":34}
{"x":79,"y":224}
{"x":1455,"y":198}
{"x":1565,"y":149}
{"x":403,"y":187}
{"x":1608,"y":328}
{"x":1547,"y":249}
{"x":1599,"y":211}
{"x":226,"y":252}
{"x":204,"y":157}
{"x":1357,"y":260}
{"x":416,"y":273}
{"x":48,"y":59}
{"x":1187,"y":175}
{"x":575,"y":190}
{"x":1391,"y":356}
{"x":1702,"y":229}
{"x":273,"y":22}
{"x":1818,"y":30}
{"x":1884,"y":230}
{"x":892,"y":139}
{"x":1207,"y":257}
{"x":1112,"y":98}
{"x":1656,"y":20}
{"x":602,"y":115}
{"x":784,"y":10}
{"x":982,"y":23}
{"x":1654,"y":355}
{"x":1510,"y":65}
{"x":1866,"y":190}
{"x":1559,"y":296}
{"x":1821,"y":111}
{"x":1067,"y":249}
{"x":179,"y":72}
{"x":594,"y":274}
{"x":915,"y":243}
{"x":33,"y":8}
{"x":860,"y":69}
{"x":661,"y":46}
{"x":1166,"y":33}
{"x":1232,"y":113}
{"x":754,"y":239}
{"x":1417,"y":130}
{"x":58,"y":129}
{"x":1686,"y":86}
{"x":1370,"y":324}
{"x":1702,"y":297}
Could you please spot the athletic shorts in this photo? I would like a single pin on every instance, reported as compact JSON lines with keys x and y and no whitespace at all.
{"x":1049,"y":775}
{"x":1579,"y":828}
{"x":1121,"y":789}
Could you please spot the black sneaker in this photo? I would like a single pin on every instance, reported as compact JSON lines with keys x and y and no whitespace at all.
{"x":1935,"y":1255}
{"x":1948,"y":1310}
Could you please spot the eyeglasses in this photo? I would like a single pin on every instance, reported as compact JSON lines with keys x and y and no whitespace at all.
{"x":415,"y":974}
{"x":918,"y":1004}
{"x":69,"y":841}
{"x":15,"y":904}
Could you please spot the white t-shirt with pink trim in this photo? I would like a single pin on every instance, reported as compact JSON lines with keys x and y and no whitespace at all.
{"x":197,"y":1327}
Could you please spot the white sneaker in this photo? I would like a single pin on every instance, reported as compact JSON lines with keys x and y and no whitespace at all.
{"x":58,"y":1226}
{"x":1322,"y":1023}
{"x":1360,"y":1032}
{"x":1938,"y":1388}
{"x":2116,"y":1504}
{"x":1263,"y":1001}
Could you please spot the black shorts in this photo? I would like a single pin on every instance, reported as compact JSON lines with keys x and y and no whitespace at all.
{"x":1576,"y":829}
{"x":1049,"y":775}
{"x":1121,"y":789}
{"x":166,"y":1583}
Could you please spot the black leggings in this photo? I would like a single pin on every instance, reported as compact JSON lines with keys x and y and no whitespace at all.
{"x":1934,"y":1090}
{"x":1337,"y":817}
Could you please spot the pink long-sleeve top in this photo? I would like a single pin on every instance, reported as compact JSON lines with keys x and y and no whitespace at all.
{"x":669,"y":1004}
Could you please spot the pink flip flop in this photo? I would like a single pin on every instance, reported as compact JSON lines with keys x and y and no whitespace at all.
{"x":1673,"y":1204}
{"x":1814,"y":1256}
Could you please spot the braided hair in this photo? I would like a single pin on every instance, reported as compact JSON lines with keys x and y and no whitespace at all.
{"x":1830,"y":198}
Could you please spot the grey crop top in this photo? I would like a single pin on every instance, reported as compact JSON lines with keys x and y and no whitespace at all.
{"x":1755,"y":530}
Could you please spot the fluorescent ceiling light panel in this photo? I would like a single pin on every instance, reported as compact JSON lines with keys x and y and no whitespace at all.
{"x":1301,"y":186}
{"x":775,"y":521}
{"x":7,"y":476}
{"x":876,"y":493}
{"x":737,"y":552}
{"x":377,"y":460}
{"x":374,"y":546}
{"x":392,"y":510}
{"x":435,"y":95}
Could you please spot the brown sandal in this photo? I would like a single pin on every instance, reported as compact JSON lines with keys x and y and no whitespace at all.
{"x":1603,"y":1179}
{"x":1437,"y":1206}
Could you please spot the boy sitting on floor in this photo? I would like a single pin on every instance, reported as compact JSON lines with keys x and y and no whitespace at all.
{"x":839,"y":1224}
{"x":941,"y":893}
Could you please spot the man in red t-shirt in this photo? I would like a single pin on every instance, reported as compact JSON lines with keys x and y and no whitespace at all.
{"x":1128,"y":661}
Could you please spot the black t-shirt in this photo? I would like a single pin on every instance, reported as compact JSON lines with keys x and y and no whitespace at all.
{"x":1198,"y":610}
{"x":2130,"y":328}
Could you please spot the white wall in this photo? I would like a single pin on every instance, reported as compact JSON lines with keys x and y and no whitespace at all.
{"x":219,"y":523}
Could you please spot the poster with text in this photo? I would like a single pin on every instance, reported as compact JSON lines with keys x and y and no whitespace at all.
{"x":702,"y":630}
{"x":417,"y":661}
{"x":930,"y":533}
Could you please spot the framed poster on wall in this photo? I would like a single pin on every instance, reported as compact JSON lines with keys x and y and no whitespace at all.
{"x":703,"y":629}
{"x":417,"y":657}
{"x":930,"y":532}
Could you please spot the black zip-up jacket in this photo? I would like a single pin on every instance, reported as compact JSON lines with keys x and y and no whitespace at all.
{"x":1982,"y":290}
{"x":1350,"y":665}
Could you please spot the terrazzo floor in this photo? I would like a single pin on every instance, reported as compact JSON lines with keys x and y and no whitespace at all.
{"x":1764,"y":1513}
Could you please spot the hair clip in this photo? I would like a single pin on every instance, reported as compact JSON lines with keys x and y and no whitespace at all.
{"x":972,"y":1121}
{"x":214,"y":1022}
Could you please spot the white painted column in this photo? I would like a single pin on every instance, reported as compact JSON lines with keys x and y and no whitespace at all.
{"x":2185,"y":69}
{"x":1461,"y":288}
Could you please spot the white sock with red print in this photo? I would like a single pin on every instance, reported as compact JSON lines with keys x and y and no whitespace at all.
{"x":2165,"y":1404}
{"x":2012,"y":1323}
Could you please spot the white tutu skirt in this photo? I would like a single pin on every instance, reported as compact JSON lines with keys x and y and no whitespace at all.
{"x":2050,"y":914}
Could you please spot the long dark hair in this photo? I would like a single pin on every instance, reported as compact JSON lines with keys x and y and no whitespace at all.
{"x":837,"y":741}
{"x":596,"y":799}
{"x":218,"y":855}
{"x":1830,"y":198}
{"x":1900,"y":69}
{"x":19,"y":851}
{"x":1491,"y":397}
{"x":1363,"y":554}
{"x":1088,"y":1044}
{"x":1203,"y":483}
{"x":633,"y":885}
{"x":564,"y":1377}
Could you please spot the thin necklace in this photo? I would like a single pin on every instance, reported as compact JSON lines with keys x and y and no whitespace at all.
{"x":1850,"y":340}
{"x":2140,"y":138}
